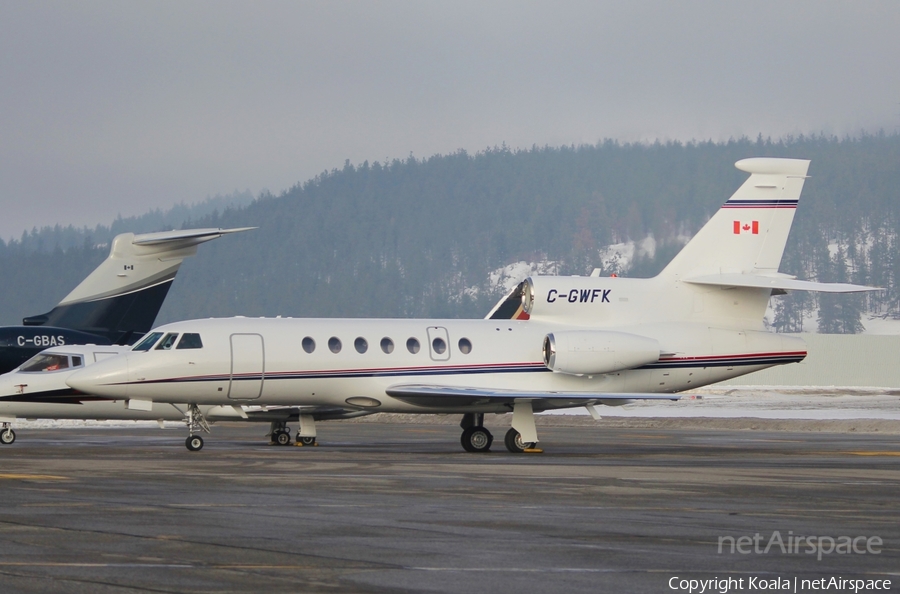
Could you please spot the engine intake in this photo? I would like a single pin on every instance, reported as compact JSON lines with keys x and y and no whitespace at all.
{"x":593,"y":352}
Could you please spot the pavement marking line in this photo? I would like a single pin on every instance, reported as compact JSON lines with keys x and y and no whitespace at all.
{"x":48,"y":564}
{"x":156,"y":565}
{"x":78,"y":504}
{"x":875,"y":453}
{"x":32,"y":477}
{"x":524,"y":569}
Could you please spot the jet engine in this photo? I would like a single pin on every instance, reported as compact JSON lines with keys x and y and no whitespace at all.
{"x":593,"y":352}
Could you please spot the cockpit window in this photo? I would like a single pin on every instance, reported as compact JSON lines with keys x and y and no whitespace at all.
{"x":48,"y":362}
{"x":148,"y":342}
{"x":167,"y":342}
{"x":190,"y":340}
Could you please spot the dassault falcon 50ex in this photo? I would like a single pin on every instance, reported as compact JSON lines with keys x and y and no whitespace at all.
{"x":577,"y":341}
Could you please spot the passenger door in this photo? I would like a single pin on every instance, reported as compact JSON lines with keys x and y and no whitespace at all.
{"x":248,"y":364}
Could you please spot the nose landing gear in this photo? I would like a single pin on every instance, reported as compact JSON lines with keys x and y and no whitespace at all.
{"x":195,"y":422}
{"x":7,"y":435}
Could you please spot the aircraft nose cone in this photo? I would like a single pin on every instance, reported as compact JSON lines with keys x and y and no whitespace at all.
{"x":106,"y":378}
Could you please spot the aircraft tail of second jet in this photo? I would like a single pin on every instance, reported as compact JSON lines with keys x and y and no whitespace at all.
{"x":121,"y":298}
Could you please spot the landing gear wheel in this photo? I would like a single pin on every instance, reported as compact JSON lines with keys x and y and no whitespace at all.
{"x":194,"y":443}
{"x":476,"y":439}
{"x":7,"y":436}
{"x":282,"y":438}
{"x":514,"y":443}
{"x":307,"y":441}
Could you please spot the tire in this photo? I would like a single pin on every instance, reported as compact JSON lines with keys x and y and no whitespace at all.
{"x":476,"y":439}
{"x":513,"y":441}
{"x":194,"y":443}
{"x":307,"y":441}
{"x":7,"y":436}
{"x":283,"y":438}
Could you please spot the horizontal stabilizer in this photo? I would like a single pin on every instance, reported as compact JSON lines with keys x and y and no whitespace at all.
{"x":442,"y":396}
{"x":188,"y":236}
{"x":783,"y":282}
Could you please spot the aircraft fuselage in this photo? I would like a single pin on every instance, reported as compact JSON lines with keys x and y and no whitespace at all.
{"x":353,"y":362}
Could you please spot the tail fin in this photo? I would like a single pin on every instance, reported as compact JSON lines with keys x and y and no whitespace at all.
{"x":748,"y":234}
{"x":121,"y":298}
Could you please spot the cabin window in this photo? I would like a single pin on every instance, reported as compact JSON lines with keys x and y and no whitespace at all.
{"x":167,"y":342}
{"x":361,"y":345}
{"x":309,"y":345}
{"x":439,"y":346}
{"x":412,"y":345}
{"x":76,"y":361}
{"x":334,"y":344}
{"x":190,"y":340}
{"x":46,"y":362}
{"x":465,"y":346}
{"x":148,"y":342}
{"x":387,"y":345}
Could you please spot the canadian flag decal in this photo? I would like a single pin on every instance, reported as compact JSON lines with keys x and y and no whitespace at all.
{"x":752,"y":227}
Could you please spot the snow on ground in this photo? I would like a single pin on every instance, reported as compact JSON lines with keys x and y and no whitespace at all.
{"x":881,"y":326}
{"x":768,"y":402}
{"x":70,"y":424}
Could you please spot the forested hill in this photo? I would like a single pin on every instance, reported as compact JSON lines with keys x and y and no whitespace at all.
{"x":423,"y":237}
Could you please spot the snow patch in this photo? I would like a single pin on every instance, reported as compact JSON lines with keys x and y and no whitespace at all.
{"x":881,"y":325}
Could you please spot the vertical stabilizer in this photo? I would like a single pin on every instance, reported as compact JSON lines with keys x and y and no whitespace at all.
{"x":748,"y":234}
{"x":121,"y":297}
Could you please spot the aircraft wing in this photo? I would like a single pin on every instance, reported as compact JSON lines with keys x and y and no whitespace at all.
{"x":442,"y":396}
{"x":783,"y":282}
{"x":284,"y":413}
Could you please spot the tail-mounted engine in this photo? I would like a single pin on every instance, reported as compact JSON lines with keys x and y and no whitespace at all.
{"x":593,"y":352}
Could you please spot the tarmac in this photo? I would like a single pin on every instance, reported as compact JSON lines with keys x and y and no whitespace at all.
{"x":399,"y":507}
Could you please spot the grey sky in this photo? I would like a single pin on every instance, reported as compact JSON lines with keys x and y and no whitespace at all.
{"x":117,"y":107}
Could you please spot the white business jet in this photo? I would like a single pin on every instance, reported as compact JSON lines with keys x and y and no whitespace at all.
{"x":577,"y":342}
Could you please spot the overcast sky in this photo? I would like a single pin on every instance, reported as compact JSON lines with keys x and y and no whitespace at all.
{"x":117,"y":107}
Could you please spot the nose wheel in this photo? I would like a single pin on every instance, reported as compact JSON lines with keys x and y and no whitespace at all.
{"x":195,"y":422}
{"x":7,"y":435}
{"x":194,"y":443}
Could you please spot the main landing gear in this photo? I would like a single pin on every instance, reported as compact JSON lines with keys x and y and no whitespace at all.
{"x":521,"y":437}
{"x":514,"y":443}
{"x":475,"y":437}
{"x":195,"y":422}
{"x":7,"y":435}
{"x":280,"y":434}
